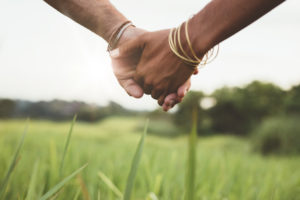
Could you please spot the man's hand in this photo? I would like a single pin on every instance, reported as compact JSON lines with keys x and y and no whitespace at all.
{"x":124,"y":68}
{"x":159,"y":71}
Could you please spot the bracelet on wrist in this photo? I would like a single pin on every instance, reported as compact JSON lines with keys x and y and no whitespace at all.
{"x":116,"y":35}
{"x":192,"y":60}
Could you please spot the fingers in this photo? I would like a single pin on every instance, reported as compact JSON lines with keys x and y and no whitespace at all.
{"x":139,"y":80}
{"x":155,"y":94}
{"x":182,"y":90}
{"x":147,"y":88}
{"x":161,"y":99}
{"x":132,"y":88}
{"x":172,"y":99}
{"x":169,"y":102}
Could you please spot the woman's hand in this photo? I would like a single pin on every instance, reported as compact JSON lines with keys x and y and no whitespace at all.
{"x":158,"y":71}
{"x":127,"y":65}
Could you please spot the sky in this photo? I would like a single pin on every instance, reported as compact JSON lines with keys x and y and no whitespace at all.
{"x":45,"y":55}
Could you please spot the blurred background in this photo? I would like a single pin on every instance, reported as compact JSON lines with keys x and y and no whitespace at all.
{"x":248,"y":103}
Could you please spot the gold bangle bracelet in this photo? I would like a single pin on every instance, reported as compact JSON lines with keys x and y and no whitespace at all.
{"x":173,"y":47}
{"x":176,"y":47}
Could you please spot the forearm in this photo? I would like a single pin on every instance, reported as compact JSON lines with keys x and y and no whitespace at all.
{"x":221,"y":19}
{"x":100,"y":16}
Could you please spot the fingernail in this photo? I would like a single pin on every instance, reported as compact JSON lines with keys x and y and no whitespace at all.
{"x":114,"y":53}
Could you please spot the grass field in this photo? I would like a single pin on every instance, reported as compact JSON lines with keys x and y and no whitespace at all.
{"x":226,"y":167}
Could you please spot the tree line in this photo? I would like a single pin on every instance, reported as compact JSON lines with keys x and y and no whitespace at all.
{"x":59,"y":110}
{"x":239,"y":110}
{"x":233,"y":110}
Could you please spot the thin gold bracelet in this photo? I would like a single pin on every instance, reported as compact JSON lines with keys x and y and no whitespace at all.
{"x":194,"y":60}
{"x":116,"y":35}
{"x":174,"y":48}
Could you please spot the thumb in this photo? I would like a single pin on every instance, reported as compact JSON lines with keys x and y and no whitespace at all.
{"x":132,"y":88}
{"x":129,"y":48}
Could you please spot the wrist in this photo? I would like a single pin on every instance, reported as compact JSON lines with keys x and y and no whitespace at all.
{"x":129,"y":34}
{"x":110,"y":29}
{"x":113,"y":19}
{"x":202,"y":35}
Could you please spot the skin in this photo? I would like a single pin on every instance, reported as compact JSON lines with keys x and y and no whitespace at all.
{"x":148,"y":59}
{"x":160,"y":72}
{"x":125,"y":68}
{"x":102,"y":18}
{"x":145,"y":61}
{"x":99,"y":16}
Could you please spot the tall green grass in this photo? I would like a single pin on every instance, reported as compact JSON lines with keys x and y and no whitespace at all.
{"x":13,"y":163}
{"x":66,"y":146}
{"x":133,"y":170}
{"x":31,"y":193}
{"x":61,"y":184}
{"x":226,"y":168}
{"x":110,"y":185}
{"x":135,"y":164}
{"x":191,"y":162}
{"x":33,"y":181}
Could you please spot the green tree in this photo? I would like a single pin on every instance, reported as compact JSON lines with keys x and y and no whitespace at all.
{"x":292,"y":102}
{"x":238,"y":110}
{"x":7,"y":108}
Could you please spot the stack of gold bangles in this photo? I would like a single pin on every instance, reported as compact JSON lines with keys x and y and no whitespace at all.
{"x":176,"y":47}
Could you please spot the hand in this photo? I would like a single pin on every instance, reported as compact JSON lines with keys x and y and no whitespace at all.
{"x":159,"y":71}
{"x":125,"y":67}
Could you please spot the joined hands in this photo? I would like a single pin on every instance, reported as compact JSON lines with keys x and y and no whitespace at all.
{"x":144,"y":64}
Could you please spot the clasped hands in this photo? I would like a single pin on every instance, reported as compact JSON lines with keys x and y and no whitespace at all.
{"x":144,"y":64}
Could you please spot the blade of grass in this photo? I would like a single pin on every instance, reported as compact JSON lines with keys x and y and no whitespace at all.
{"x":55,"y":196}
{"x":110,"y":185}
{"x":157,"y":184}
{"x":191,"y":165}
{"x":98,"y":198}
{"x":135,"y":164}
{"x":77,"y":194}
{"x":151,"y":196}
{"x":83,"y":187}
{"x":13,"y":163}
{"x":57,"y":187}
{"x":67,"y":145}
{"x":53,"y":162}
{"x":31,"y":194}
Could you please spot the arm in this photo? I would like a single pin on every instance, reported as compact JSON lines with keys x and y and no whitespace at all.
{"x":221,"y":19}
{"x":100,"y":16}
{"x":161,"y":72}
